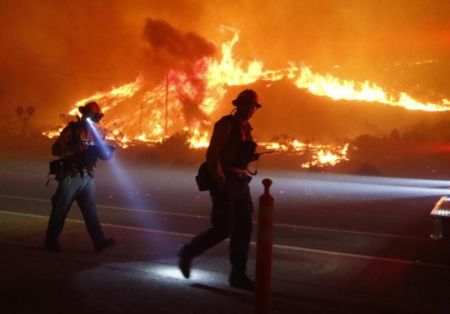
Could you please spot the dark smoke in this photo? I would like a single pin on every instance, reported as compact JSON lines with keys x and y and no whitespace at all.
{"x":178,"y":51}
{"x":175,"y":49}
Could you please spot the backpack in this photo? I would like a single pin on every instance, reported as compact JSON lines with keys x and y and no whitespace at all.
{"x":204,"y":178}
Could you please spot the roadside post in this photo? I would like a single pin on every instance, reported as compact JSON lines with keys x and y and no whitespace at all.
{"x":263,"y":276}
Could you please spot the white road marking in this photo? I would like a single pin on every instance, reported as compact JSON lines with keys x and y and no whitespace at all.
{"x":276,"y":246}
{"x":361,"y":256}
{"x":103,"y":224}
{"x":277,"y":225}
{"x":146,"y":211}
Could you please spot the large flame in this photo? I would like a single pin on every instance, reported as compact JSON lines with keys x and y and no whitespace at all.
{"x":205,"y":86}
{"x":111,"y":98}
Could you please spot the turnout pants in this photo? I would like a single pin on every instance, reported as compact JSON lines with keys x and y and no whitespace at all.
{"x":79,"y":187}
{"x":231,"y":216}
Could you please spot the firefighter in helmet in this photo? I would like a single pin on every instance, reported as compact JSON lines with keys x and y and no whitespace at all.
{"x":230,"y":151}
{"x":78,"y":149}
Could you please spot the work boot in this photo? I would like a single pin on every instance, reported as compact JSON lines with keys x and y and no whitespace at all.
{"x":184,"y":262}
{"x":104,"y":244}
{"x":241,"y":281}
{"x":52,"y":246}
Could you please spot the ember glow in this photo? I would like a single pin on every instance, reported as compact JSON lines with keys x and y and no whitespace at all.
{"x":322,"y":155}
{"x":186,"y":101}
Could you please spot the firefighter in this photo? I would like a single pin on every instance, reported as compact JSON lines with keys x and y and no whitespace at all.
{"x":230,"y":151}
{"x":78,"y":149}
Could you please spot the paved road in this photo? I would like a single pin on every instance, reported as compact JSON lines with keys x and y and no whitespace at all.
{"x":341,"y":244}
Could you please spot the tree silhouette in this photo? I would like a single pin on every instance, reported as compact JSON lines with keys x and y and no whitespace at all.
{"x":25,"y":114}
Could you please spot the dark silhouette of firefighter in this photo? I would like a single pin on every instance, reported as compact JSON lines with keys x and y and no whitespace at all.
{"x":225,"y":174}
{"x":78,"y":146}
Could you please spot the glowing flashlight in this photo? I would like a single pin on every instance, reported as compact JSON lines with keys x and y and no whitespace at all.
{"x":127,"y":184}
{"x":104,"y":151}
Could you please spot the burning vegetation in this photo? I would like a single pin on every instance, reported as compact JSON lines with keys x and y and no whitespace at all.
{"x":197,"y":79}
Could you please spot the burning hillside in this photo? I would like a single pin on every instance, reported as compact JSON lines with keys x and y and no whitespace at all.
{"x":197,"y":81}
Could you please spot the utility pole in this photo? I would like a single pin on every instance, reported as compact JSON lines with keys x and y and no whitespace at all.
{"x":166,"y":104}
{"x":140,"y":119}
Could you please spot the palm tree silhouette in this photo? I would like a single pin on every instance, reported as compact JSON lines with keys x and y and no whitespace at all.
{"x":24,"y":114}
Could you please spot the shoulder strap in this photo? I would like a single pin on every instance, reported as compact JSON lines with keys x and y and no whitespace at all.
{"x":74,"y":126}
{"x":234,"y":124}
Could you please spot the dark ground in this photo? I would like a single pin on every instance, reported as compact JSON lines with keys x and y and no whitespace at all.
{"x":342,"y":244}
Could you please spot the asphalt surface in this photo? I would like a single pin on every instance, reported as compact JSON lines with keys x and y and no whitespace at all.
{"x":342,"y":244}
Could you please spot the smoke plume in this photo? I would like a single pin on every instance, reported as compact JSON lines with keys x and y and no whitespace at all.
{"x":173,"y":48}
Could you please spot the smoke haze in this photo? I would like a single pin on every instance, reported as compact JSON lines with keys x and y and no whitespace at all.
{"x":57,"y":52}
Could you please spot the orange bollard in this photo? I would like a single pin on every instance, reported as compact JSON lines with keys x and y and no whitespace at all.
{"x":263,"y":289}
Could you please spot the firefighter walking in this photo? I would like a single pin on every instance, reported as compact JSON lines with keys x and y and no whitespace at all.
{"x":230,"y":151}
{"x":78,"y":150}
